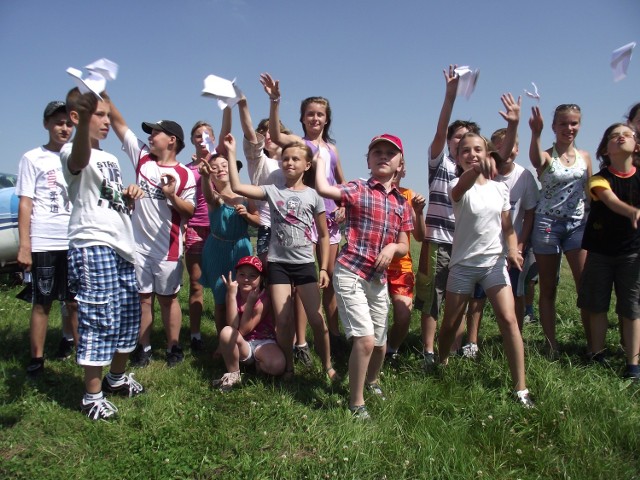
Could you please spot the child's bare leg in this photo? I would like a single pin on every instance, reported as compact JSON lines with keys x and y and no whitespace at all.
{"x":171,"y":318}
{"x":576,"y":259}
{"x":375,"y":363}
{"x":474,"y":318}
{"x":547,"y":276}
{"x":270,"y":359}
{"x":119,"y":362}
{"x":401,"y":321}
{"x":229,"y":345}
{"x":70,"y":320}
{"x":92,"y":378}
{"x":196,"y":292}
{"x":38,"y":329}
{"x":146,"y":318}
{"x":300,"y":316}
{"x":328,"y":294}
{"x":310,"y":296}
{"x":599,"y":326}
{"x":220,"y":314}
{"x":358,"y":365}
{"x":501,"y":298}
{"x":283,"y":314}
{"x":454,"y":308}
{"x":631,"y":328}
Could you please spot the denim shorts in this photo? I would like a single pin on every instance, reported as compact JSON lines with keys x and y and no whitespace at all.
{"x":556,"y":235}
{"x":49,"y":277}
{"x":108,"y":303}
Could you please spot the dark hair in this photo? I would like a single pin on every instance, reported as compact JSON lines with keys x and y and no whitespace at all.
{"x":601,"y":151}
{"x":469,"y":125}
{"x":263,"y":126}
{"x":633,"y":112}
{"x":565,"y":107}
{"x":74,"y":95}
{"x":326,"y":136}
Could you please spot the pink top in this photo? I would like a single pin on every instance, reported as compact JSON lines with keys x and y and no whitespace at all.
{"x":265,"y":328}
{"x":201,"y":214}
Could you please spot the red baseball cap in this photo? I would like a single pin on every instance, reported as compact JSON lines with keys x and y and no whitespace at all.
{"x":387,"y":137}
{"x":253,"y":261}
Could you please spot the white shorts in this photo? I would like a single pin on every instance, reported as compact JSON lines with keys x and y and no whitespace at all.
{"x":462,"y":279}
{"x":254,"y":346}
{"x":158,"y":276}
{"x":362,"y":306}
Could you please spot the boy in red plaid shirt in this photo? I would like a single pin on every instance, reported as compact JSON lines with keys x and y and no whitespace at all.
{"x":378,"y":220}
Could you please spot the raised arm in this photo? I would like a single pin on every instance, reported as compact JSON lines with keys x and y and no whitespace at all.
{"x":451,"y":91}
{"x":81,"y":117}
{"x":512,"y":116}
{"x":537,"y":155}
{"x":245,"y":121}
{"x":210,"y":195}
{"x":225,"y":127}
{"x":322,"y":184}
{"x":233,"y":318}
{"x":418,"y":203}
{"x":118,"y":123}
{"x":246,"y":190}
{"x":272,"y":88}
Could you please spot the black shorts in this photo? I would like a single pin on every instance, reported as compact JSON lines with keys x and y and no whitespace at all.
{"x":49,"y":277}
{"x":291,"y":273}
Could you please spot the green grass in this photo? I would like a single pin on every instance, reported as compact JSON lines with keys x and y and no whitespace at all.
{"x":459,"y":423}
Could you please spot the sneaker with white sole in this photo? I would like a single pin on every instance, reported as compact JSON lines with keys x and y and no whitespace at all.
{"x":428,"y":360}
{"x":128,"y":388}
{"x":374,"y":389}
{"x":359,"y":412}
{"x":523,"y":398}
{"x":302,"y":354}
{"x":529,"y":318}
{"x":228,"y":381}
{"x":65,"y":349}
{"x":470,"y":350}
{"x":101,"y":409}
{"x":140,"y":358}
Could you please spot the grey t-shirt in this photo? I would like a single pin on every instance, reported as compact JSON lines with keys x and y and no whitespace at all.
{"x":292,"y":220}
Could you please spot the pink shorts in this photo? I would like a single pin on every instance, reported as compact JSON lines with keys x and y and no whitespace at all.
{"x":195,"y":238}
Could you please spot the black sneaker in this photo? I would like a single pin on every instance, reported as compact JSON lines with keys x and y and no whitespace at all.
{"x":175,"y":356}
{"x":65,"y":349}
{"x":392,"y":359}
{"x":302,"y":355}
{"x":128,"y":388}
{"x":140,"y":358}
{"x":35,"y":367}
{"x":197,"y":345}
{"x":359,"y":412}
{"x":632,"y":375}
{"x":101,"y":409}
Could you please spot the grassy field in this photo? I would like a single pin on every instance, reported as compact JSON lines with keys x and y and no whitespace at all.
{"x":457,"y":423}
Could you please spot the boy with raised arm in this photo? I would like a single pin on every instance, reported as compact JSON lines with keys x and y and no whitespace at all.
{"x":169,"y":201}
{"x":101,"y":256}
{"x":378,"y":219}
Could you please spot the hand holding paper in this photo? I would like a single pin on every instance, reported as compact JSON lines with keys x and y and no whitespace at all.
{"x":207,"y":143}
{"x":468,"y":80}
{"x":225,"y":91}
{"x":96,"y":76}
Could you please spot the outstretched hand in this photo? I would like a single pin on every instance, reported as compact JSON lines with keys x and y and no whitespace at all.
{"x":512,"y":107}
{"x":536,"y":122}
{"x":451,"y":78}
{"x":487,"y":167}
{"x":271,"y":86}
{"x":230,"y":283}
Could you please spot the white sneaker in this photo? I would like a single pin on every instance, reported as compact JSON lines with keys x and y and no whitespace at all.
{"x":470,"y":350}
{"x":524,"y":398}
{"x":227,"y":381}
{"x":101,"y":409}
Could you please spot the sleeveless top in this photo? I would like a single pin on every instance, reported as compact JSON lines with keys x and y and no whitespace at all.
{"x":563,"y":188}
{"x":330,"y":164}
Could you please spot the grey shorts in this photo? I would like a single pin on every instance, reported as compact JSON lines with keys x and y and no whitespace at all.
{"x":603,"y":273}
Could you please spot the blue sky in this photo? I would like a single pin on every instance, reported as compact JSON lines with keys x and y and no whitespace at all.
{"x":379,"y":63}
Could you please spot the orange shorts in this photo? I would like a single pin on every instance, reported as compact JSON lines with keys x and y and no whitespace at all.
{"x":401,"y":283}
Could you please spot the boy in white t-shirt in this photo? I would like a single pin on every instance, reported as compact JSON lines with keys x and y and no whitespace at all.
{"x":158,"y":220}
{"x":43,"y":221}
{"x":101,"y":256}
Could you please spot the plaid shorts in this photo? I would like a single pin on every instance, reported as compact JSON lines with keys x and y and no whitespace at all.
{"x":108,"y":304}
